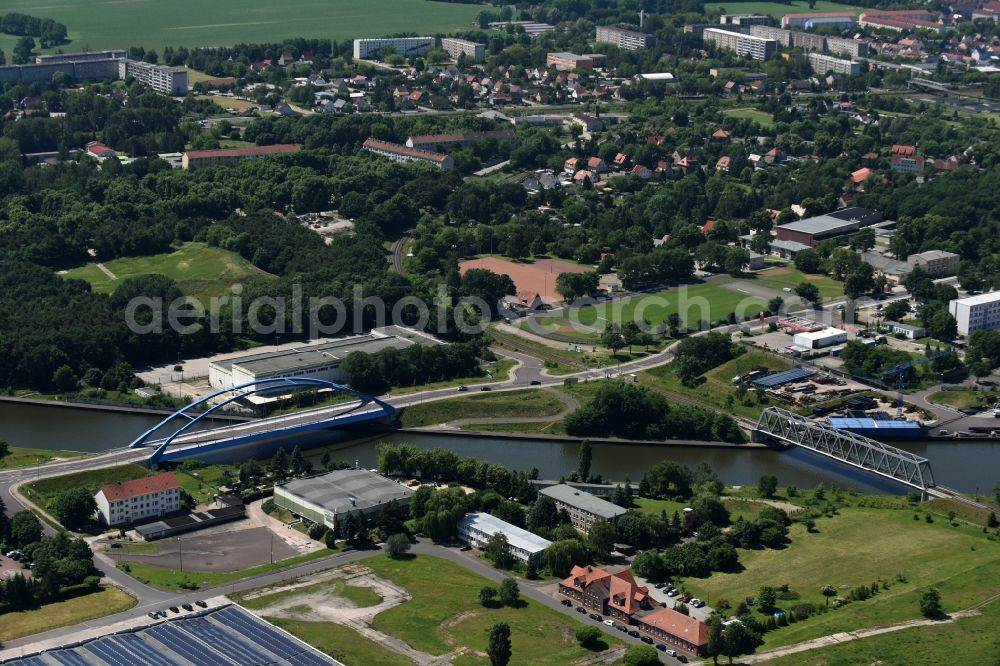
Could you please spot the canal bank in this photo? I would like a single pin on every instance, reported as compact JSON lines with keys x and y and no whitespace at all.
{"x":967,"y":465}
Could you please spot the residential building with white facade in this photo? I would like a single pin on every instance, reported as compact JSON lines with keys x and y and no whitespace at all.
{"x":780,"y":35}
{"x":368,"y":49}
{"x":162,"y":79}
{"x":582,"y":507}
{"x":476,"y":529}
{"x":810,"y":20}
{"x":822,"y":63}
{"x":459,"y":47}
{"x":624,"y":39}
{"x":132,"y":501}
{"x":748,"y":46}
{"x":744,"y":20}
{"x":397,"y":152}
{"x":976,"y":313}
{"x":852,"y":48}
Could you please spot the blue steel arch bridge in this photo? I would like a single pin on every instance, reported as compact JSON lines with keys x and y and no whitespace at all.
{"x":181,"y":435}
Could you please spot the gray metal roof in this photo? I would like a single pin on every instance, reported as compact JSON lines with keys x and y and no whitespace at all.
{"x":516,"y":536}
{"x":346,"y":490}
{"x":792,"y":246}
{"x":584,"y":501}
{"x":821,"y":225}
{"x":932,"y":254}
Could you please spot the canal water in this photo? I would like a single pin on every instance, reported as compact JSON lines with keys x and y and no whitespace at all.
{"x":967,"y":465}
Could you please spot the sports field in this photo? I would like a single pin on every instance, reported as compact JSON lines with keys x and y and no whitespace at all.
{"x":198,"y":270}
{"x":537,"y":276}
{"x":762,"y":118}
{"x":106,"y":24}
{"x":776,"y":9}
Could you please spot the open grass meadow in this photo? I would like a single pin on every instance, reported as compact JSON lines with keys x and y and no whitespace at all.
{"x":487,"y":405}
{"x":340,"y":642}
{"x":762,"y":118}
{"x":192,"y":23}
{"x":44,"y":491}
{"x":199,"y":270}
{"x":444,"y":613}
{"x":779,"y":278}
{"x":71,"y":610}
{"x":777,"y":9}
{"x":876,"y":540}
{"x":21,"y":457}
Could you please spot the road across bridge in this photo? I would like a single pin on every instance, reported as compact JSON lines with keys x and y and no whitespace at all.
{"x":847,"y":447}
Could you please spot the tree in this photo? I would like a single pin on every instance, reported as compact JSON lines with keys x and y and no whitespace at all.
{"x":612,"y":337}
{"x":396,"y":546}
{"x":563,"y":555}
{"x":738,"y":639}
{"x":716,"y":645}
{"x":24,"y":529}
{"x":767,"y":486}
{"x":808,"y":291}
{"x":498,"y":551}
{"x":499,"y":649}
{"x":487,"y":593}
{"x":896,"y":310}
{"x":74,"y":508}
{"x":766,"y":599}
{"x":279,"y":464}
{"x":65,"y":379}
{"x":808,"y":261}
{"x":859,"y":281}
{"x":930,"y":603}
{"x":602,"y":538}
{"x":588,"y":636}
{"x":298,"y":462}
{"x":583,"y":460}
{"x":510,"y":593}
{"x":992,"y":520}
{"x":641,"y":655}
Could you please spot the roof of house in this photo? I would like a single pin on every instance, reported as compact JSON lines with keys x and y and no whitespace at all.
{"x":517,"y":537}
{"x":345,"y":490}
{"x":115,"y":492}
{"x":400,"y":149}
{"x":277,"y":149}
{"x":677,"y":624}
{"x":583,"y":500}
{"x":860,"y":175}
{"x":626,"y":595}
{"x":932,"y":254}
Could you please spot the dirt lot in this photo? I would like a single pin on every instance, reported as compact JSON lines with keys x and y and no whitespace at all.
{"x":538,"y":276}
{"x":233,"y":550}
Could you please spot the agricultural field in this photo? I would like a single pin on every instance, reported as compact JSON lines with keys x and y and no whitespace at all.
{"x":777,"y":9}
{"x":192,"y":23}
{"x":199,"y":270}
{"x":873,"y":539}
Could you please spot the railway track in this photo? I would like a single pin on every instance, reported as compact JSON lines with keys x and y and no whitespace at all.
{"x":396,"y":261}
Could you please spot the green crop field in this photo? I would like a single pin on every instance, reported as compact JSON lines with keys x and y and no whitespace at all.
{"x":858,"y":546}
{"x":199,"y":270}
{"x":776,"y":9}
{"x":154,"y":25}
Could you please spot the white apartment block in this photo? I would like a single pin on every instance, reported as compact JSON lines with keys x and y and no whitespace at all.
{"x":139,"y":499}
{"x":780,"y":35}
{"x":748,"y":46}
{"x":368,"y":49}
{"x":852,"y":48}
{"x":821,"y":64}
{"x":624,"y":39}
{"x":459,"y":47}
{"x":162,"y":79}
{"x":976,"y":313}
{"x":476,"y":529}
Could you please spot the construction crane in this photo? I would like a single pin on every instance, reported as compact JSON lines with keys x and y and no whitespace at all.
{"x":900,"y":370}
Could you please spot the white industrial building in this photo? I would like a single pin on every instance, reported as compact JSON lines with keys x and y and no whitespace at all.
{"x":316,"y":361}
{"x":826,"y":337}
{"x":976,"y":313}
{"x":476,"y":529}
{"x":326,"y":498}
{"x":368,"y":49}
{"x":131,"y":501}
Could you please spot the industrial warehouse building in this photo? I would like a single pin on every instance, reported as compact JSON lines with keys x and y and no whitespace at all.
{"x":326,"y":498}
{"x":317,"y":361}
{"x":224,"y":635}
{"x":476,"y":529}
{"x":582,"y":507}
{"x":811,"y":230}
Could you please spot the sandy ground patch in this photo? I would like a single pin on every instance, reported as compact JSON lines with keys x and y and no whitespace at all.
{"x":775,"y":271}
{"x":536,"y":277}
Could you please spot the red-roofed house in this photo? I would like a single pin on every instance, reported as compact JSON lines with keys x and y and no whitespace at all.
{"x":98,"y":150}
{"x":724,"y":163}
{"x":131,"y":501}
{"x":570,"y":165}
{"x":677,"y":629}
{"x":721,"y":135}
{"x":621,"y":160}
{"x":705,"y":228}
{"x":614,"y":594}
{"x":642,"y":172}
{"x":597,"y":165}
{"x":906,"y":151}
{"x":194,"y":159}
{"x":859,"y":177}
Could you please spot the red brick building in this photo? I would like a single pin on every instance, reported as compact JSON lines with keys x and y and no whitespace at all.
{"x":677,"y":629}
{"x":613,"y":594}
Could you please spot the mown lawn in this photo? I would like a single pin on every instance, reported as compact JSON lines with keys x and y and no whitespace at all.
{"x":694,"y":303}
{"x":858,"y":547}
{"x":70,"y":611}
{"x":782,"y":277}
{"x":445,"y":612}
{"x":969,"y":640}
{"x":529,"y":402}
{"x":501,"y":371}
{"x":762,"y":118}
{"x":21,"y":457}
{"x":340,"y":642}
{"x":198,"y":270}
{"x":44,"y":491}
{"x":960,"y":399}
{"x":749,"y":509}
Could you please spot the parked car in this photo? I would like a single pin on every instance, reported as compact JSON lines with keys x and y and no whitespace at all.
{"x":646,"y":639}
{"x":201,"y":604}
{"x":596,"y":616}
{"x":661,"y":647}
{"x":659,"y":586}
{"x":581,"y":609}
{"x":175,"y":609}
{"x":153,"y":615}
{"x":465,"y":548}
{"x":633,"y":633}
{"x":672,"y":653}
{"x":697,"y":603}
{"x":187,"y":607}
{"x":610,"y":623}
{"x":681,"y":658}
{"x":672,"y":592}
{"x":566,"y":602}
{"x":622,"y":628}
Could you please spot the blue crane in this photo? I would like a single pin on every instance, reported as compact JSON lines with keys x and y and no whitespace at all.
{"x":900,"y":370}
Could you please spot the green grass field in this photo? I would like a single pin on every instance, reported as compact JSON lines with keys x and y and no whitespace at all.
{"x":44,"y":491}
{"x":961,"y":399}
{"x":969,"y":640}
{"x":859,"y":546}
{"x":72,"y":610}
{"x":21,"y":457}
{"x":501,"y":371}
{"x":762,"y":118}
{"x":487,"y":405}
{"x":445,"y":613}
{"x":789,"y":276}
{"x":776,"y":9}
{"x":199,"y":270}
{"x":153,"y":25}
{"x":340,"y":642}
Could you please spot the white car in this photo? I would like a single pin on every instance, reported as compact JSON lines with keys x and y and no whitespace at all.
{"x":610,"y":623}
{"x":697,"y":603}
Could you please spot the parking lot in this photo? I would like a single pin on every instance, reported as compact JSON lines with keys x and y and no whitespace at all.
{"x":232,"y":550}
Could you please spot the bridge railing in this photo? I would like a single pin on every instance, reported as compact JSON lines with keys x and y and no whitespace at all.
{"x":848,"y":447}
